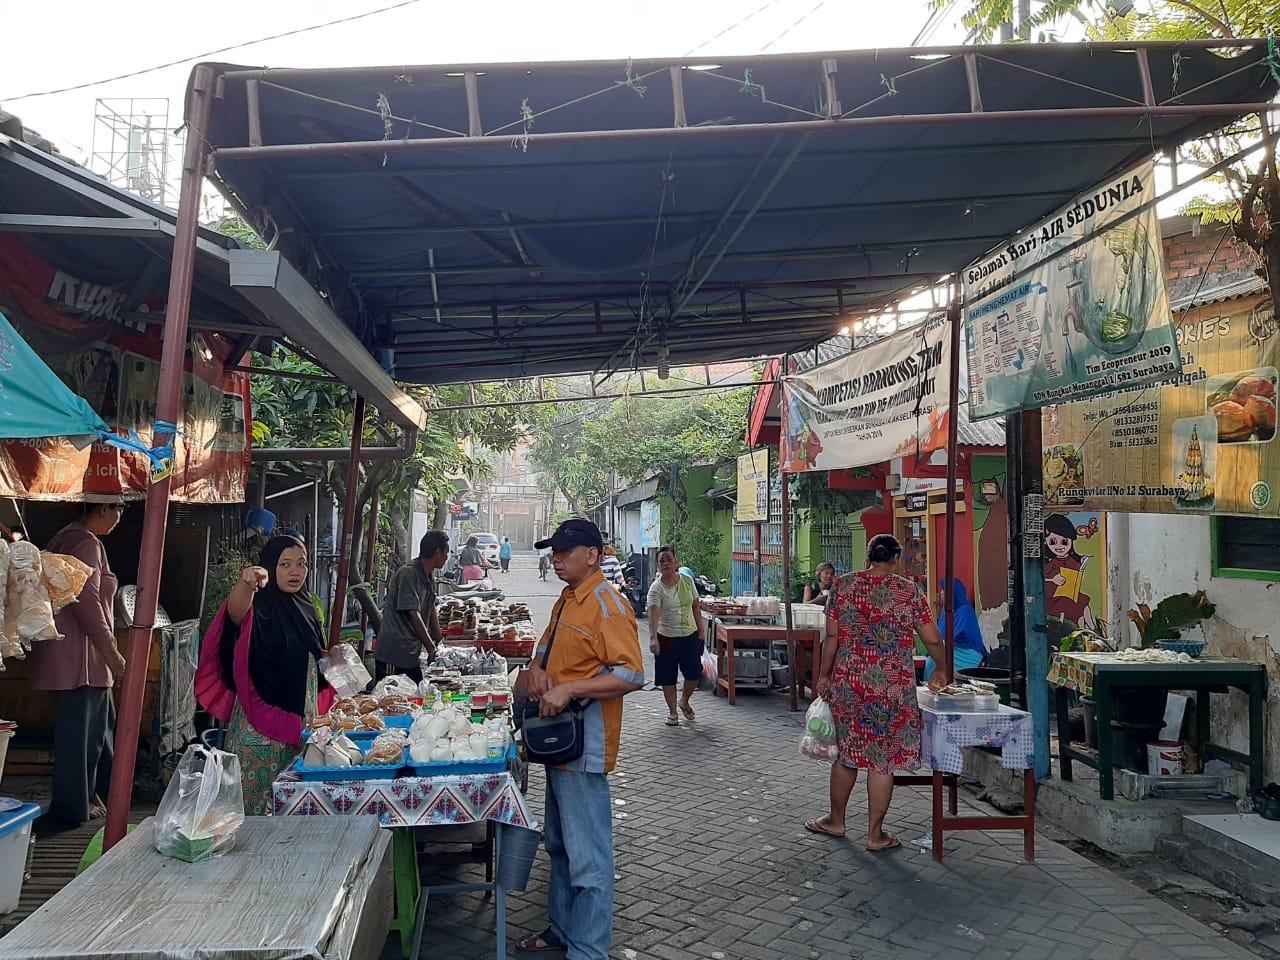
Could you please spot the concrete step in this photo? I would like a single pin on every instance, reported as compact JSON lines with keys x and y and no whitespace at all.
{"x":1232,"y":866}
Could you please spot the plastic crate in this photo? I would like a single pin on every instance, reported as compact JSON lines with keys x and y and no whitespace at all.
{"x":363,"y":771}
{"x":462,"y":768}
{"x":15,"y":843}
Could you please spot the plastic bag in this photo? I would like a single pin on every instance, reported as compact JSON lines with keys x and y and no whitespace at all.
{"x":395,"y":685}
{"x":818,"y":742}
{"x":64,"y":578}
{"x":28,"y":614}
{"x":203,"y":806}
{"x":709,"y":672}
{"x":344,"y":671}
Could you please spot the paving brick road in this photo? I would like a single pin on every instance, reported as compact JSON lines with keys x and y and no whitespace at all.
{"x":712,"y":862}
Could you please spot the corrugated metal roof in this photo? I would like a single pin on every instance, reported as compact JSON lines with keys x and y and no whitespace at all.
{"x":984,"y":433}
{"x":1237,"y":287}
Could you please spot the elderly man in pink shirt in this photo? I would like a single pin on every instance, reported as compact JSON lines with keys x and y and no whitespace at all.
{"x":79,"y":671}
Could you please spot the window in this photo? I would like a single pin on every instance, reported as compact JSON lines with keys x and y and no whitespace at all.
{"x":1246,"y":548}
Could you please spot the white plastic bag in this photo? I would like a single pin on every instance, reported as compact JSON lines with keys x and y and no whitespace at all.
{"x":344,"y":671}
{"x":203,"y":806}
{"x":818,"y":742}
{"x":28,"y":613}
{"x":709,"y":672}
{"x":395,"y":685}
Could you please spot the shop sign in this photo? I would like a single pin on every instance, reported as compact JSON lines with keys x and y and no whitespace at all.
{"x":883,"y":401}
{"x":650,"y":525}
{"x":753,"y":487}
{"x":1202,"y":442}
{"x":1073,"y":307}
{"x":917,"y":502}
{"x":80,"y":296}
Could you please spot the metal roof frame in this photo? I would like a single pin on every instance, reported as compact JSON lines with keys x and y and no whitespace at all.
{"x":493,"y":220}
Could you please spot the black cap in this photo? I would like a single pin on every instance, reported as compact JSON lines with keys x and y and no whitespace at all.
{"x":572,"y":533}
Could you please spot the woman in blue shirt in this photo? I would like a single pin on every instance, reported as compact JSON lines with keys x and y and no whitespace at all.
{"x":504,"y":555}
{"x":970,"y":650}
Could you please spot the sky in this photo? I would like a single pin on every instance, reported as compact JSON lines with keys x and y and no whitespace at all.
{"x":63,"y":43}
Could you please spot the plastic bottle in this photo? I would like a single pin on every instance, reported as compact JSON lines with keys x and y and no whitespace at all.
{"x":496,"y":734}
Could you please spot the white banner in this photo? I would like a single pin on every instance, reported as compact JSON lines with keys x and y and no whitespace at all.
{"x":883,"y":401}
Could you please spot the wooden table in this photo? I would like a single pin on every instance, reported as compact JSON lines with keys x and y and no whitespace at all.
{"x":1100,"y":676}
{"x":732,"y":637}
{"x":298,"y":887}
{"x":943,"y":736}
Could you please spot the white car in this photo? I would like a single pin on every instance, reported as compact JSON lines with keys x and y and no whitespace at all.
{"x":488,"y":545}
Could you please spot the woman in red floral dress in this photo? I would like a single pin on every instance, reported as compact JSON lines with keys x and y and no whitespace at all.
{"x":867,"y":675}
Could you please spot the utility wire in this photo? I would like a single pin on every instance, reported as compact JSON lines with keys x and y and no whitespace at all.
{"x":210,"y":53}
{"x":732,"y":27}
{"x":818,"y":6}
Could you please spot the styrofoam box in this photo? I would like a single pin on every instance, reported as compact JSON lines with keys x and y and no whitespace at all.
{"x":15,"y":838}
{"x":808,"y":616}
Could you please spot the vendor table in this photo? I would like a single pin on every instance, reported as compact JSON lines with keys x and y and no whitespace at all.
{"x":1100,"y":675}
{"x":407,"y":802}
{"x":944,"y":737}
{"x":729,"y":638}
{"x":288,"y":888}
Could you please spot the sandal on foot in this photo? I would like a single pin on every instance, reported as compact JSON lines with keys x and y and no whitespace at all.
{"x":687,"y":711}
{"x":539,"y":943}
{"x":673,"y":721}
{"x":892,"y":843}
{"x":817,"y":826}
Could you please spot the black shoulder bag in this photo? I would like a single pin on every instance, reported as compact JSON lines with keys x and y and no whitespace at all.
{"x":557,"y":739}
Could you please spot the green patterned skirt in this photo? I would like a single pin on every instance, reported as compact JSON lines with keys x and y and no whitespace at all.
{"x":261,"y":758}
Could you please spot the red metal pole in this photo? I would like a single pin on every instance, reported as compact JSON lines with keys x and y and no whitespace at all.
{"x":953,"y":428}
{"x":371,"y":539}
{"x":348,"y":526}
{"x":168,"y":399}
{"x":793,"y":662}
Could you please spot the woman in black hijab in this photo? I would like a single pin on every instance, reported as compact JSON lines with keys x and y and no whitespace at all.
{"x":258,"y":672}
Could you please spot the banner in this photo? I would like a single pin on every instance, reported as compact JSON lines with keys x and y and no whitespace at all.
{"x":1203,"y":442}
{"x":650,"y":525}
{"x":1046,"y":324}
{"x":77,"y":329}
{"x":884,"y":401}
{"x":753,"y":488}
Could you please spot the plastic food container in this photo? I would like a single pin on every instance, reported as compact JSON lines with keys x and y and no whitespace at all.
{"x":480,"y":700}
{"x":984,"y":703}
{"x":15,"y":841}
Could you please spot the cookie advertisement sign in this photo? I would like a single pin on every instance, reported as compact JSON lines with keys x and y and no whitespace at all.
{"x":1203,"y":442}
{"x":1073,"y":307}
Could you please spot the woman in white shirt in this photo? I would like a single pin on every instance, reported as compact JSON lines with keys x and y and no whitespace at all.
{"x":674,"y":637}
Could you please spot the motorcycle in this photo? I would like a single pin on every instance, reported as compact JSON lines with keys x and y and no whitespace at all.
{"x":633,"y":590}
{"x":708,"y":587}
{"x":448,"y":583}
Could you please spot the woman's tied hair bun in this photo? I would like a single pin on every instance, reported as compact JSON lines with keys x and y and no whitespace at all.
{"x":883,"y":548}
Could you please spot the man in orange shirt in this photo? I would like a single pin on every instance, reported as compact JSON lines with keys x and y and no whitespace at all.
{"x":595,"y":656}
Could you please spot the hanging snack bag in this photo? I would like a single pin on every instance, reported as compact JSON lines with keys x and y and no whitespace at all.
{"x":28,"y":613}
{"x":64,"y":578}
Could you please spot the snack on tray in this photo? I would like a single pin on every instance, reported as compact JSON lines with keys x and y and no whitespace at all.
{"x":345,"y":705}
{"x":385,"y":753}
{"x":371,"y":721}
{"x":396,"y":706}
{"x":366,"y":703}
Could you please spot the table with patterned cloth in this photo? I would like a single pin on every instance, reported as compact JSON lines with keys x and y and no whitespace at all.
{"x":404,"y":803}
{"x":408,"y":801}
{"x":1114,"y":685}
{"x":946,"y":734}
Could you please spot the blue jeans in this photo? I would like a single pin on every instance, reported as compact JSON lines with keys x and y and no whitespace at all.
{"x":579,"y":840}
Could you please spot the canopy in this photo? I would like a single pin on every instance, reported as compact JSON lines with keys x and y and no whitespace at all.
{"x":538,"y":218}
{"x":33,"y":401}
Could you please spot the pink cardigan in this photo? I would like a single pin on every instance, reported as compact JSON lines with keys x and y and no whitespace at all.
{"x":219,"y":700}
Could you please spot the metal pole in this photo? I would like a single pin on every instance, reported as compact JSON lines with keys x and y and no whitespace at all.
{"x":1017,"y":592}
{"x":339,"y":604}
{"x":168,"y":399}
{"x":792,"y":661}
{"x":1033,"y":608}
{"x":953,"y":455}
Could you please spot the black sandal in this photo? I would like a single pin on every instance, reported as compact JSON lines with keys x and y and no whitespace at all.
{"x":539,"y":942}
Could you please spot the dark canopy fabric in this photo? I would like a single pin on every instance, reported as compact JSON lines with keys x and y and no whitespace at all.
{"x":742,"y":234}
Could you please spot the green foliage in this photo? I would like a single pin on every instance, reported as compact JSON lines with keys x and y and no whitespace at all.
{"x":1171,"y":616}
{"x":576,"y":449}
{"x":698,"y":547}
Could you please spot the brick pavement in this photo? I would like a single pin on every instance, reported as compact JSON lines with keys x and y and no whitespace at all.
{"x":712,"y":862}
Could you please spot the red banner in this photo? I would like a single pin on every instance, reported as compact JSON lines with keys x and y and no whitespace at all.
{"x":77,"y":327}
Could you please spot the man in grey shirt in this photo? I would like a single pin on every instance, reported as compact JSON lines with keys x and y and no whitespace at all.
{"x":409,"y":620}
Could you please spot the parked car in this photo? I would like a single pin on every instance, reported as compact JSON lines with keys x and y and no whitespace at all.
{"x":489,"y":546}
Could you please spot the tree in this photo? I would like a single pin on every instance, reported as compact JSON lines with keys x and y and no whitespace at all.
{"x":1252,"y":202}
{"x":290,"y":411}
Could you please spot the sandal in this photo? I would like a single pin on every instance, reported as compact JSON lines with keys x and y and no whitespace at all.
{"x":817,"y":826}
{"x":539,"y":942}
{"x":892,"y":844}
{"x":687,"y":711}
{"x":673,"y":721}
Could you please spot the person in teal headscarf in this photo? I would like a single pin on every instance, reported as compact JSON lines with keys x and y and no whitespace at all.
{"x":970,"y":650}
